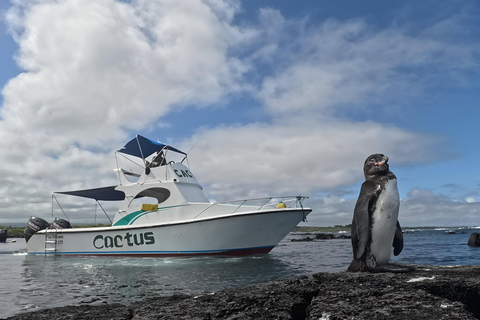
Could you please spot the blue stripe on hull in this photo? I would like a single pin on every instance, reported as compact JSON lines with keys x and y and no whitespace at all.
{"x":229,"y":252}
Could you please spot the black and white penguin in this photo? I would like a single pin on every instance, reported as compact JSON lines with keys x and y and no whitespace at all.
{"x":375,"y":226}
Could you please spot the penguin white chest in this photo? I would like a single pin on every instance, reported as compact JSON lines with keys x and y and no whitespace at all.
{"x":384,"y":222}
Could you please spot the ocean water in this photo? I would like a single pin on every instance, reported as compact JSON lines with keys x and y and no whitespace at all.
{"x":28,"y":283}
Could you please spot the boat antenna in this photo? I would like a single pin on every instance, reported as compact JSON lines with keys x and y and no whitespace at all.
{"x":186,"y":155}
{"x":192,"y":147}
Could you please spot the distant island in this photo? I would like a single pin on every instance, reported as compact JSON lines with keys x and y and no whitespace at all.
{"x":347,"y":228}
{"x":337,"y":228}
{"x":17,"y":232}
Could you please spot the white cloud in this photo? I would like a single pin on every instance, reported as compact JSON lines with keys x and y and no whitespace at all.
{"x":306,"y":148}
{"x":425,"y":208}
{"x":343,"y":65}
{"x":97,"y":70}
{"x":100,"y":67}
{"x":330,"y":211}
{"x":297,"y":156}
{"x":421,"y":208}
{"x":470,"y":200}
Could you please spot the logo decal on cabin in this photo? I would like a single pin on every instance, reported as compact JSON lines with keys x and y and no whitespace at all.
{"x":183,"y":173}
{"x":119,"y":241}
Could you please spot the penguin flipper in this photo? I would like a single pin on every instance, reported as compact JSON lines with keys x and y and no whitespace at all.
{"x":398,"y":240}
{"x":361,"y":221}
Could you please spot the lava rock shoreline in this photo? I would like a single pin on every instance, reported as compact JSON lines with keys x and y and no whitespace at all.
{"x":429,"y":292}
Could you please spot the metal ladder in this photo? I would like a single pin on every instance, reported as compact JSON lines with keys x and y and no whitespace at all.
{"x":51,"y":243}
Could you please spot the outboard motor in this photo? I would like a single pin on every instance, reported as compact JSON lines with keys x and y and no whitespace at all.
{"x":61,"y":224}
{"x":3,"y":235}
{"x":34,"y":225}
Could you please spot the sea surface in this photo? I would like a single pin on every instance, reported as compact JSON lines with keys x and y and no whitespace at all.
{"x":29,"y":283}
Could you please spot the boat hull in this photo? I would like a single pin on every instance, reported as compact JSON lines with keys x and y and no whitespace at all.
{"x":235,"y":235}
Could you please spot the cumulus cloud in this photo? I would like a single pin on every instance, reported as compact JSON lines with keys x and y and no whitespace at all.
{"x":97,"y":71}
{"x":302,"y":155}
{"x":338,"y":67}
{"x":102,"y":67}
{"x":426,"y":208}
{"x":94,"y":72}
{"x":332,"y":69}
{"x":330,"y":210}
{"x":420,"y":208}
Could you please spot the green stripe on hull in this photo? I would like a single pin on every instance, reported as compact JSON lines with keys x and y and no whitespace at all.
{"x":130,"y":218}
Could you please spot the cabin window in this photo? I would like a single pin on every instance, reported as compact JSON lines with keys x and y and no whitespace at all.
{"x":161,"y":194}
{"x":151,"y":196}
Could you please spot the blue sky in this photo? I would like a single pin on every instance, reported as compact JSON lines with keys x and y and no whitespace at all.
{"x":280,"y":97}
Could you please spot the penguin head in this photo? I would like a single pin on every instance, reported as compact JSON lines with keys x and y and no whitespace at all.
{"x":376,"y":164}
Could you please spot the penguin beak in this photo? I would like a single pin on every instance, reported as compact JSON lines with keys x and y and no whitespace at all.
{"x":381,"y":163}
{"x":378,"y":164}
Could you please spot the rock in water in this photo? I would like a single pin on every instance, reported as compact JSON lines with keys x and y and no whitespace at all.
{"x":3,"y":235}
{"x":474,"y":240}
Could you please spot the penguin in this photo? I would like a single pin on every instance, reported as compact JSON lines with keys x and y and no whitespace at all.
{"x":375,"y":226}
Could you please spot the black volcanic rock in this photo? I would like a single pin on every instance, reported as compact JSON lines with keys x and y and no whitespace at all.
{"x":474,"y":240}
{"x":3,"y":235}
{"x":429,"y":292}
{"x":321,"y":236}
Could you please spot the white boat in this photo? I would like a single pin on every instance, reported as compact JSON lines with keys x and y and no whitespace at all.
{"x":166,"y":213}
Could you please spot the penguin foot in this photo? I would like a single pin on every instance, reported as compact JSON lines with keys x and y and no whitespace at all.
{"x":395,"y":268}
{"x":358,"y":265}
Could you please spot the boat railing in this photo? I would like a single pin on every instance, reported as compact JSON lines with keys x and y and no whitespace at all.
{"x":258,"y":204}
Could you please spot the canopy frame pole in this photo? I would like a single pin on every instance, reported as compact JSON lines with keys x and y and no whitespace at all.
{"x":141,"y":152}
{"x":121,"y":154}
{"x":52,"y":204}
{"x":118,"y":168}
{"x":104,"y":211}
{"x":59,"y":205}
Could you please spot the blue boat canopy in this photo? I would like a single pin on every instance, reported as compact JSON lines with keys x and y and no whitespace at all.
{"x":142,"y":147}
{"x":102,"y":194}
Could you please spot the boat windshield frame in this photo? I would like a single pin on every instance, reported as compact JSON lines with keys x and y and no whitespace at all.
{"x":142,"y":148}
